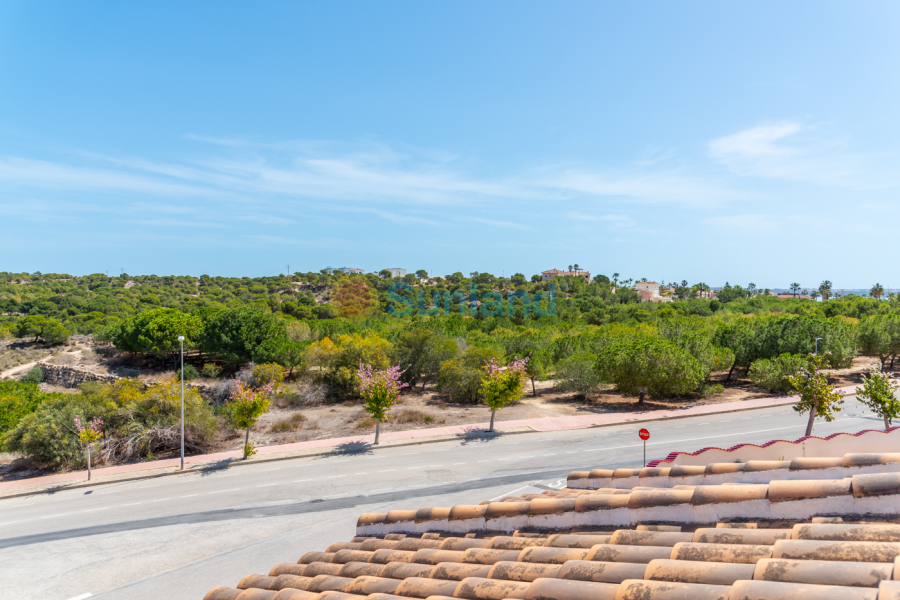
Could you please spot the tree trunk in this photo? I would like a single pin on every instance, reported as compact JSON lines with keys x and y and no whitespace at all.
{"x":246,"y":442}
{"x":533,"y":391}
{"x":887,"y":424}
{"x":641,"y":398}
{"x":89,"y":460}
{"x":730,"y":371}
{"x":812,"y":417}
{"x":492,"y":420}
{"x":377,"y":431}
{"x":423,"y":384}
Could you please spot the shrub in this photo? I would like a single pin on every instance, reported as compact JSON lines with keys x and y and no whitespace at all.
{"x":210,"y":370}
{"x":578,"y":374}
{"x":711,"y":389}
{"x":657,"y":366}
{"x":461,"y":376}
{"x":772,"y":373}
{"x":189,"y":373}
{"x":5,"y":334}
{"x":268,"y":374}
{"x":17,"y":399}
{"x":34,"y":375}
{"x":338,"y":362}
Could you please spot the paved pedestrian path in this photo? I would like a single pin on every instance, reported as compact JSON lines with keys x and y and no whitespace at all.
{"x":389,"y":439}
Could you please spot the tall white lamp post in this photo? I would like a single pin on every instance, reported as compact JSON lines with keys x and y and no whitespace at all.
{"x":817,"y":346}
{"x":181,"y":341}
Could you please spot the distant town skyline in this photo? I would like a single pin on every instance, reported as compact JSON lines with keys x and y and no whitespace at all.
{"x":229,"y":139}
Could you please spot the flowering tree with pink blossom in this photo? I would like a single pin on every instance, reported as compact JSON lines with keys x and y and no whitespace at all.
{"x":500,"y":387}
{"x":380,"y":390}
{"x":244,"y":408}
{"x":87,"y":435}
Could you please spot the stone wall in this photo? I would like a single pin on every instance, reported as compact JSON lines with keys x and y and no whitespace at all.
{"x":70,"y":377}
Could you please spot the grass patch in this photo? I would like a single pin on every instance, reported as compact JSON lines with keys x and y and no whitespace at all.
{"x":413,"y":416}
{"x":365,"y":423}
{"x":292,"y":424}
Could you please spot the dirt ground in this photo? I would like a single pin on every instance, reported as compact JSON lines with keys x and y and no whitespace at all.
{"x":287,"y":423}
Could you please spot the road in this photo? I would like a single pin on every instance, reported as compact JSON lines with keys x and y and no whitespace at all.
{"x":179,"y":536}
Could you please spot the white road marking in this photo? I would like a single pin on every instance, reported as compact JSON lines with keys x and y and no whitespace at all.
{"x":133,"y":504}
{"x":335,"y":496}
{"x":189,"y":496}
{"x":95,"y":509}
{"x":509,"y":493}
{"x":223,"y":491}
{"x":82,"y":596}
{"x":504,"y":459}
{"x":380,"y":490}
{"x":52,"y":516}
{"x":8,"y":522}
{"x":387,"y":471}
{"x":363,"y":473}
{"x":301,"y":480}
{"x":411,"y":468}
{"x":454,"y":464}
{"x":161,"y":500}
{"x":335,"y":476}
{"x":482,"y":461}
{"x":267,"y":485}
{"x":572,"y":452}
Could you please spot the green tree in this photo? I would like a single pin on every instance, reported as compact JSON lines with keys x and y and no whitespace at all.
{"x":825,"y":290}
{"x":50,"y":331}
{"x":877,"y":291}
{"x":244,"y":409}
{"x":795,"y":289}
{"x":235,"y":334}
{"x":461,"y":376}
{"x":537,"y":367}
{"x":772,"y":373}
{"x":578,"y":373}
{"x":648,"y":366}
{"x":500,"y":387}
{"x":879,"y":335}
{"x":155,"y":332}
{"x":420,"y":352}
{"x":879,"y":393}
{"x":422,"y":274}
{"x":817,"y":397}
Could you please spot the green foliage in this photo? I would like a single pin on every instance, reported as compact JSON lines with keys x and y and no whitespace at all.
{"x":879,"y":393}
{"x":879,"y":335}
{"x":461,"y":376}
{"x":189,"y":373}
{"x":659,"y":366}
{"x":501,"y":387}
{"x":41,"y":328}
{"x":237,"y":335}
{"x":578,"y":373}
{"x":17,"y":399}
{"x":420,"y":352}
{"x":338,"y":362}
{"x":817,"y":397}
{"x":34,"y":375}
{"x":268,"y":374}
{"x":711,"y":389}
{"x":772,"y":373}
{"x":210,"y":370}
{"x":156,"y":332}
{"x":136,"y":420}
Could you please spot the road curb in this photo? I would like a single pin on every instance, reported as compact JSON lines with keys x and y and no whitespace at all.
{"x":330,"y":451}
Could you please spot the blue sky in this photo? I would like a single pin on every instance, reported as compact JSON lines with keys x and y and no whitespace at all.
{"x":707,"y":141}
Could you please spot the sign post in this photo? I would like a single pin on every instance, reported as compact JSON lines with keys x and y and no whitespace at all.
{"x":644,"y":435}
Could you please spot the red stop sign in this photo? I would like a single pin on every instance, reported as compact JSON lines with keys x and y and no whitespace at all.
{"x":645,"y":435}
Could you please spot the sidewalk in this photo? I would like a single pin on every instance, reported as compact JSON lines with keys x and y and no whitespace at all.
{"x":391,"y":439}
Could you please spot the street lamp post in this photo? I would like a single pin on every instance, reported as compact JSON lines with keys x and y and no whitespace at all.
{"x":817,"y":346}
{"x":181,"y":341}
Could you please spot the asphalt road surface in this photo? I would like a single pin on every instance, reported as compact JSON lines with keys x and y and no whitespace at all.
{"x":176,"y":537}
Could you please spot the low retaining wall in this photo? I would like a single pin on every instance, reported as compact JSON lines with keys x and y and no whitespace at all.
{"x":836,"y":445}
{"x":71,"y":377}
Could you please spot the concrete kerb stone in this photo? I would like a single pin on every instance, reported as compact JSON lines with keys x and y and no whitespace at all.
{"x":330,"y":451}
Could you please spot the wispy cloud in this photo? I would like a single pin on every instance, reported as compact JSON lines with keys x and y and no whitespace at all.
{"x":796,"y":152}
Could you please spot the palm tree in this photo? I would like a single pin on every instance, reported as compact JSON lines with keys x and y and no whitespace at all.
{"x":877,"y":291}
{"x":570,"y":268}
{"x":795,"y":287}
{"x":615,"y":279}
{"x":577,"y":268}
{"x":814,"y":294}
{"x":751,"y":287}
{"x":825,"y":290}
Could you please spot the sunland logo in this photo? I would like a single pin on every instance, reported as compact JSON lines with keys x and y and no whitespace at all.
{"x":491,"y":303}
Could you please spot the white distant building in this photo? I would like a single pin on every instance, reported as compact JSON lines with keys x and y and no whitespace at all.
{"x":397,"y":272}
{"x":552,"y":273}
{"x":649,"y":292}
{"x":347,"y":270}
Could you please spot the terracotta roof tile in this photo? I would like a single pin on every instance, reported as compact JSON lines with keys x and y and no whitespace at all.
{"x":852,"y":574}
{"x":634,"y":589}
{"x":561,"y":589}
{"x":605,"y":572}
{"x":770,"y":590}
{"x":458,"y":571}
{"x":698,"y":572}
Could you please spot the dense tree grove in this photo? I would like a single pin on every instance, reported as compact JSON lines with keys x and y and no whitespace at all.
{"x":322,"y":327}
